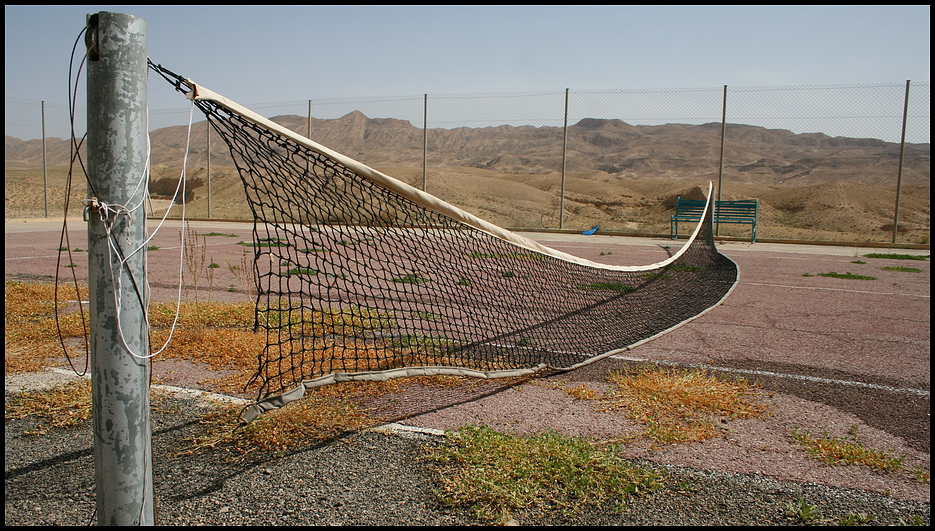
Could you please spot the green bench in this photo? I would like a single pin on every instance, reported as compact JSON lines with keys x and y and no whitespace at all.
{"x":743,"y":211}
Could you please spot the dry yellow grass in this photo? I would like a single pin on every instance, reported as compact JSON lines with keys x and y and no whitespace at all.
{"x":31,"y":331}
{"x":675,"y":405}
{"x":313,"y":418}
{"x":62,"y":406}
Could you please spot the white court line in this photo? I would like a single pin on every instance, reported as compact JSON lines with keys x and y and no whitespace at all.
{"x":907,"y":390}
{"x":403,"y":429}
{"x":390,"y":427}
{"x":835,"y":289}
{"x":30,"y":257}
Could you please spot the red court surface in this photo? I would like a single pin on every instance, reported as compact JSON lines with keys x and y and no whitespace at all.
{"x":829,"y":352}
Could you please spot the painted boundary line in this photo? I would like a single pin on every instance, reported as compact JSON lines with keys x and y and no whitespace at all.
{"x":403,"y":430}
{"x":816,"y":379}
{"x":61,"y":375}
{"x":836,"y":289}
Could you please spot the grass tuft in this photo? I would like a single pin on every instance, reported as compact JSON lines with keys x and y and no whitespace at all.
{"x":606,"y":286}
{"x":902,"y":269}
{"x":498,"y":474}
{"x":836,"y":451}
{"x":897,"y":256}
{"x":849,"y":276}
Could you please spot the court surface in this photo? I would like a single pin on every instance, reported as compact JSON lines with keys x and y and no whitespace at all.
{"x":829,"y":351}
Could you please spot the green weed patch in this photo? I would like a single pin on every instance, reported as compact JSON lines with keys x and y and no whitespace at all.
{"x":497,"y":474}
{"x":849,"y":276}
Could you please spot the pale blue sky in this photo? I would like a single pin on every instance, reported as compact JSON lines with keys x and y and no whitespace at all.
{"x":285,"y":53}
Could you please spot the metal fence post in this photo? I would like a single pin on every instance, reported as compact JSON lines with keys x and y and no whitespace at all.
{"x":561,"y":213}
{"x":720,"y":169}
{"x":899,"y":171}
{"x":45,"y":167}
{"x":425,"y":140}
{"x":119,"y":339}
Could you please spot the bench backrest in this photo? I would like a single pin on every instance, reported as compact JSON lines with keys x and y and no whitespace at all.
{"x":744,"y":208}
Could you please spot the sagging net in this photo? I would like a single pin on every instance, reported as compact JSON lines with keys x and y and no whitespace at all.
{"x":360,"y":276}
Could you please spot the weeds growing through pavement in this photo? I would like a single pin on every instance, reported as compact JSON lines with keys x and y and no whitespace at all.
{"x":897,"y":256}
{"x":848,"y":275}
{"x":195,"y":256}
{"x":243,"y":272}
{"x":675,"y":405}
{"x":838,"y":451}
{"x":498,"y":474}
{"x":902,"y":269}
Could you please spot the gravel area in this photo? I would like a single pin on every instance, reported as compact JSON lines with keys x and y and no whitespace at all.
{"x":376,"y":477}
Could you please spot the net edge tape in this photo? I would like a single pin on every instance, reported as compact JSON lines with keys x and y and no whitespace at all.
{"x":422,"y":198}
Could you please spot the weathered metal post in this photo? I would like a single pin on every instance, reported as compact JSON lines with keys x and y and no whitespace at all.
{"x":45,"y":168}
{"x":720,"y":168}
{"x":561,"y":207}
{"x":425,"y":142}
{"x":899,"y":171}
{"x":119,"y":338}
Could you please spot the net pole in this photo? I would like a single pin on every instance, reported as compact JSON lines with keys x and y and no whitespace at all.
{"x":119,"y":342}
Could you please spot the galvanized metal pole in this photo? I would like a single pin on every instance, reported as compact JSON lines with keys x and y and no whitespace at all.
{"x":425,"y":141}
{"x":119,"y":336}
{"x":720,"y":169}
{"x":561,"y":214}
{"x":899,"y":172}
{"x":45,"y":168}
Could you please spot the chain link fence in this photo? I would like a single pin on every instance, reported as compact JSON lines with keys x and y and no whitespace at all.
{"x":827,"y":163}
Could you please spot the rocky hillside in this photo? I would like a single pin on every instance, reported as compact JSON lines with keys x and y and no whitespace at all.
{"x":753,"y":155}
{"x":624,"y":176}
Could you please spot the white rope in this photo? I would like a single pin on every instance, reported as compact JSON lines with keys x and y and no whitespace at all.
{"x":112,"y":211}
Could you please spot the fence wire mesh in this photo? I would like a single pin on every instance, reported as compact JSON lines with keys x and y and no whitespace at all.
{"x":568,"y":159}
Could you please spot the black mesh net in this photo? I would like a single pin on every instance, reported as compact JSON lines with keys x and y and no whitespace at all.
{"x":361,"y":282}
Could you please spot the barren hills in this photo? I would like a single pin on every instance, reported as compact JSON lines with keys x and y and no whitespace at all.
{"x":622,"y":176}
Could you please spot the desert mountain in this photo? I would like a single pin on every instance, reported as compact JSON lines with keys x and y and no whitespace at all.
{"x":623,"y":176}
{"x":608,"y":147}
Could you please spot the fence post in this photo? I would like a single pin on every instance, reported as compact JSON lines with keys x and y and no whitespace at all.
{"x":116,"y":142}
{"x":425,"y":141}
{"x":45,"y":167}
{"x":208,"y":152}
{"x":561,"y":213}
{"x":899,"y":171}
{"x":720,"y":169}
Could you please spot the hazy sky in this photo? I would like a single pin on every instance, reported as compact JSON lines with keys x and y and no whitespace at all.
{"x":273,"y":54}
